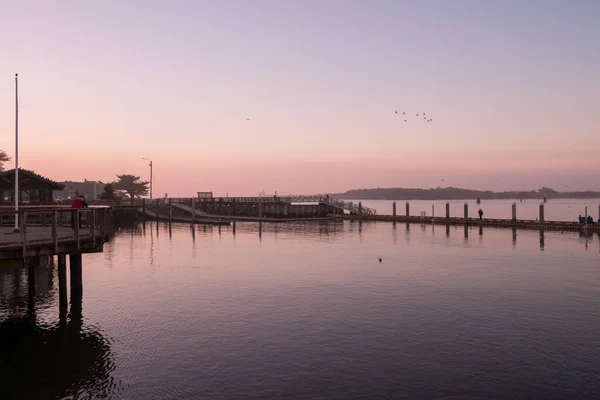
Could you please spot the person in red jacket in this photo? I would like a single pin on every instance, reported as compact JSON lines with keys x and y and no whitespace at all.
{"x":78,"y":202}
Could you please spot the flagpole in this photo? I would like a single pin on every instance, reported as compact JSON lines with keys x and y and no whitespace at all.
{"x":16,"y":153}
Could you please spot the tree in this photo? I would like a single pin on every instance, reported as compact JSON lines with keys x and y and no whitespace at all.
{"x":3,"y":158}
{"x":131,"y":185}
{"x":109,"y":192}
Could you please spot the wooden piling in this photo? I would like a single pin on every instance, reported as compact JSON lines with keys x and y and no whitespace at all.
{"x":93,"y":227}
{"x":466,"y":211}
{"x":514,"y":212}
{"x":55,"y":230}
{"x":394,"y":208}
{"x":541,"y":212}
{"x":170,"y":210}
{"x":447,"y":210}
{"x":407,"y":209}
{"x":24,"y":233}
{"x":77,"y":236}
{"x":193,"y":201}
{"x":62,"y":286}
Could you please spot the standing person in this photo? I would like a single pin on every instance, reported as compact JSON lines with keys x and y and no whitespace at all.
{"x":78,"y":202}
{"x":480,"y":212}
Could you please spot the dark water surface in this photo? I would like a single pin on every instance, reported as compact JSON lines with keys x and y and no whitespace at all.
{"x":306,"y":311}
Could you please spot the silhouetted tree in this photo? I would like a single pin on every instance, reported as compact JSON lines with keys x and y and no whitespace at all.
{"x":131,"y":185}
{"x":3,"y":158}
{"x":109,"y":192}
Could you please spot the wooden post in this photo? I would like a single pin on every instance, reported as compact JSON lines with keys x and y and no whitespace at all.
{"x":170,"y":210}
{"x":55,"y":230}
{"x":394,"y":209}
{"x":541,"y":212}
{"x":514,"y":212}
{"x":105,"y":224}
{"x":432,"y":211}
{"x":360,"y":209}
{"x":157,"y":210}
{"x":447,"y":209}
{"x":93,"y":227}
{"x":77,"y":229}
{"x":144,"y":208}
{"x":24,"y":233}
{"x":62,"y":286}
{"x":75,"y":263}
{"x":407,"y":209}
{"x":193,"y":210}
{"x":466,"y":211}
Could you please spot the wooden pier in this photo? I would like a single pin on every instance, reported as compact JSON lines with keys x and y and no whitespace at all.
{"x":499,"y":223}
{"x":48,"y":231}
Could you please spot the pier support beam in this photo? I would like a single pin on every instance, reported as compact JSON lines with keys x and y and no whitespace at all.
{"x":447,"y":210}
{"x":31,"y":263}
{"x":144,"y":208}
{"x":432,"y":211}
{"x":407,"y":209}
{"x":260,"y":209}
{"x":360,"y":209}
{"x":541,"y":212}
{"x":514,"y":212}
{"x":170,"y":210}
{"x":62,"y":287}
{"x":75,"y":264}
{"x":466,"y":211}
{"x":394,"y":208}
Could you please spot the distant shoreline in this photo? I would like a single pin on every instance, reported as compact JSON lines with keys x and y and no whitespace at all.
{"x":460,"y":194}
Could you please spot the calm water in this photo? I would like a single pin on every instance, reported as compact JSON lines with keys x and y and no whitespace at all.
{"x":306,"y":311}
{"x":554,"y":210}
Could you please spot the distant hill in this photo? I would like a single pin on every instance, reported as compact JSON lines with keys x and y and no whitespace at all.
{"x":451,"y":193}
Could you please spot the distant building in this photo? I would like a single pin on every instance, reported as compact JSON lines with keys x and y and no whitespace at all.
{"x":33,"y":188}
{"x":90,"y":189}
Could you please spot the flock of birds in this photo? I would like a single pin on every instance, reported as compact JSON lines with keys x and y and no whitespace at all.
{"x":424,"y":115}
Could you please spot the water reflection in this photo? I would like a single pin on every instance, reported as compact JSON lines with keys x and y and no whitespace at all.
{"x":542,"y":240}
{"x":41,"y":358}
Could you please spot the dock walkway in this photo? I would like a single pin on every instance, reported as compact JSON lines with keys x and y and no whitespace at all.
{"x":501,"y":223}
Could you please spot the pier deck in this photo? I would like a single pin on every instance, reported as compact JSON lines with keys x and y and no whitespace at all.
{"x":49,"y":231}
{"x":500,"y":223}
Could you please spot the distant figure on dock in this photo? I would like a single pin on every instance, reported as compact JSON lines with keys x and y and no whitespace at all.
{"x":78,"y":202}
{"x":590,"y":220}
{"x":581,"y":219}
{"x":480,"y":212}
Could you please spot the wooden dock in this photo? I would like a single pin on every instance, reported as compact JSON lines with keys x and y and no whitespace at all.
{"x":499,"y":223}
{"x":47,"y":231}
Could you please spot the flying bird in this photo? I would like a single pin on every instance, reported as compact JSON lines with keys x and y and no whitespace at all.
{"x":396,"y":111}
{"x":404,"y":120}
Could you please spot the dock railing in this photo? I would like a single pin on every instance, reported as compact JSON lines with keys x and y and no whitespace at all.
{"x":39,"y":225}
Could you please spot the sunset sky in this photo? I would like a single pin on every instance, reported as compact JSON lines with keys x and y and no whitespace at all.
{"x":513,"y":88}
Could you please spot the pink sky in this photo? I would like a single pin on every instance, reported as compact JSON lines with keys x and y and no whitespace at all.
{"x":512,"y":90}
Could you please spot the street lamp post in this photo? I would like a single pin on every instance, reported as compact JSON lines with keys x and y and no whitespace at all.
{"x":144,"y":158}
{"x":16,"y":154}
